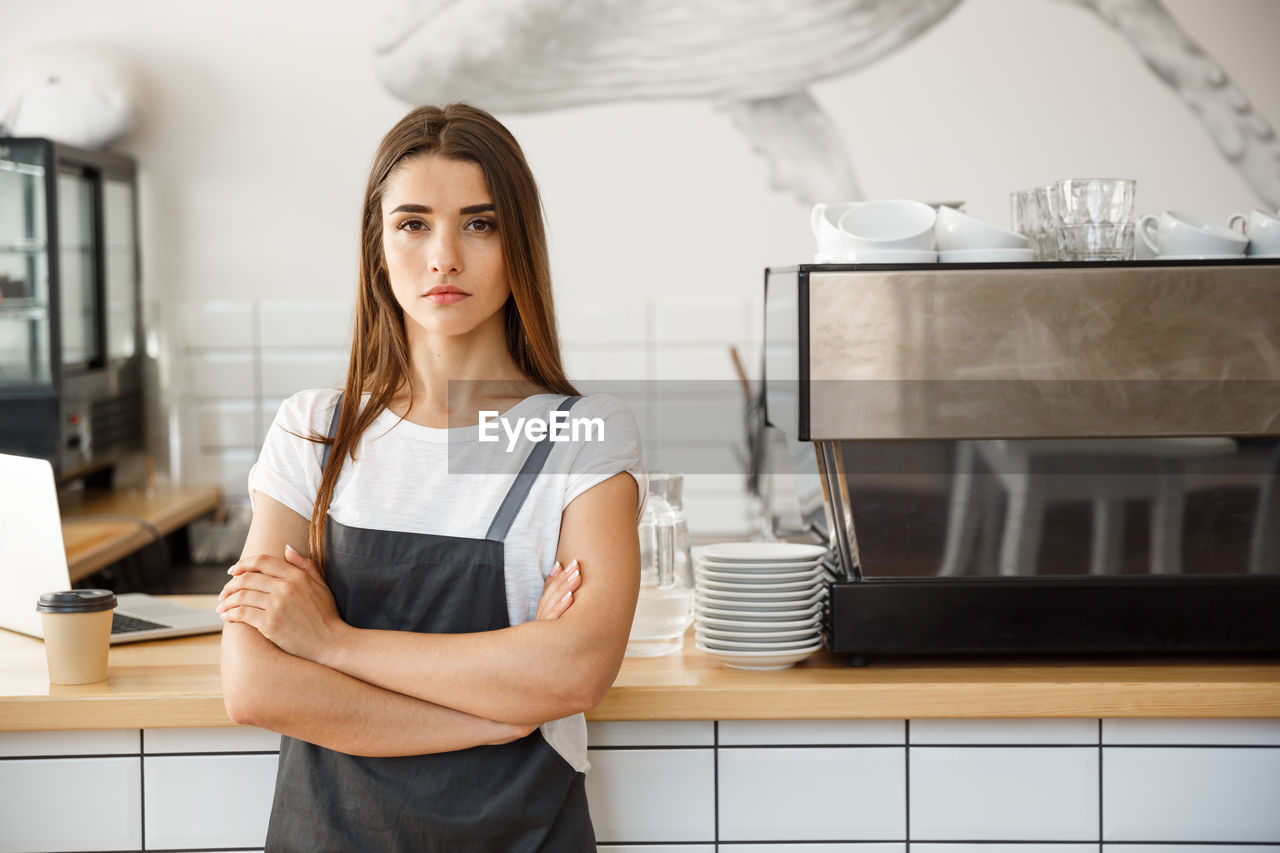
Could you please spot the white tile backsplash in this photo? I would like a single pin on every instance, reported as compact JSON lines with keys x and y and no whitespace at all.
{"x":227,"y":469}
{"x":693,"y":362}
{"x":652,"y":794}
{"x":285,"y":372}
{"x":1004,"y":793}
{"x":208,"y":800}
{"x":103,"y":742}
{"x":620,"y":363}
{"x":215,"y":325}
{"x":806,"y":793}
{"x":209,"y":373}
{"x":621,"y":319}
{"x":1242,"y":732}
{"x":212,"y":739}
{"x":699,"y":321}
{"x":1190,"y":794}
{"x":103,"y":795}
{"x":740,"y":732}
{"x":1082,"y":731}
{"x":813,"y":848}
{"x":658,"y":733}
{"x":1005,"y":848}
{"x":305,"y":324}
{"x":226,"y":423}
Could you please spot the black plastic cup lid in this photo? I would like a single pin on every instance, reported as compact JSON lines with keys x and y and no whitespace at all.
{"x":77,"y":601}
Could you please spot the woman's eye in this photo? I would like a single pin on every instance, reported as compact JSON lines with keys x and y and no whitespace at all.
{"x":482,"y":225}
{"x":405,"y":226}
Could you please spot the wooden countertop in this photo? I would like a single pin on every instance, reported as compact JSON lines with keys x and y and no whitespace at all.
{"x":97,"y":529}
{"x":173,"y":683}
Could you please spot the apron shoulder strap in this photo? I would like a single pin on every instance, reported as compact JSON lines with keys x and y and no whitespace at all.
{"x":333,"y":429}
{"x":519,"y":490}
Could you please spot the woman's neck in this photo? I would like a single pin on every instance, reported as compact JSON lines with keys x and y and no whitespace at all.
{"x":453,"y":378}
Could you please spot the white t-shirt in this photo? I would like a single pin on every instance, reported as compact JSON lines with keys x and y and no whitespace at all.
{"x":418,"y":479}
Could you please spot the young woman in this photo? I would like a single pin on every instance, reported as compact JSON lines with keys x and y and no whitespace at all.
{"x":399,"y":612}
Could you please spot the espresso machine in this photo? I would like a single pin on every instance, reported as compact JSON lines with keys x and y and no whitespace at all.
{"x":1036,"y":458}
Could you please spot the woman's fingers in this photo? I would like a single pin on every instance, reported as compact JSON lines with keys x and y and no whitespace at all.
{"x":557,"y":593}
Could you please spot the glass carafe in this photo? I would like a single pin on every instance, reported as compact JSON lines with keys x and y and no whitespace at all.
{"x":664,"y":609}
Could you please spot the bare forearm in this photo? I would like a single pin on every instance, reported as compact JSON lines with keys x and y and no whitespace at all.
{"x":526,"y":674}
{"x":268,"y":688}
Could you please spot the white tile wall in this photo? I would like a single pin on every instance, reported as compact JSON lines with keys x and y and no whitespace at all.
{"x":652,"y":795}
{"x":699,"y":321}
{"x":659,"y":733}
{"x":214,"y":325}
{"x":813,"y":848}
{"x":103,"y":794}
{"x":621,"y":319}
{"x":285,"y":372}
{"x":211,"y":373}
{"x":227,"y":423}
{"x":585,"y":362}
{"x":826,"y":732}
{"x":1190,"y":794}
{"x":214,"y":739}
{"x":808,"y":793}
{"x":1006,"y":848}
{"x":208,"y":800}
{"x":1192,"y":732}
{"x":104,"y":742}
{"x":1189,"y":848}
{"x":228,"y":470}
{"x":1004,"y":731}
{"x":656,"y":848}
{"x":693,"y":362}
{"x":1004,"y":793}
{"x":305,"y":324}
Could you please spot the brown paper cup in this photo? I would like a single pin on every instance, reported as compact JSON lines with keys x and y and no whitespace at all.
{"x":76,"y":642}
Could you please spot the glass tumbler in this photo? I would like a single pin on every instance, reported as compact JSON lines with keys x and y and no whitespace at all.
{"x":1096,"y":241}
{"x":1047,"y":239}
{"x":1085,"y":201}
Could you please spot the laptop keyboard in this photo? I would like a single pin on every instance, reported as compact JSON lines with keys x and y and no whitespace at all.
{"x":128,"y":624}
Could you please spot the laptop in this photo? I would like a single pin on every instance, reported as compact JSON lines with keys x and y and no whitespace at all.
{"x":33,"y":561}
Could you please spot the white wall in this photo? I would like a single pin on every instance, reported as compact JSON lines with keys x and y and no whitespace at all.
{"x":262,"y":117}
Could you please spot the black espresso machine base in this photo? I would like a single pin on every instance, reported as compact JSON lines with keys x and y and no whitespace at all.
{"x":1133,"y":615}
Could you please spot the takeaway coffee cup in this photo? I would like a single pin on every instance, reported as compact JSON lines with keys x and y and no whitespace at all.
{"x":77,"y":634}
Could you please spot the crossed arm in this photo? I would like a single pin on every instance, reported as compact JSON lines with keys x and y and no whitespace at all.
{"x":291,"y":665}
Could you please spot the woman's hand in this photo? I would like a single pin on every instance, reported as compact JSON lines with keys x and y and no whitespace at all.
{"x":286,"y":600}
{"x":557,"y":593}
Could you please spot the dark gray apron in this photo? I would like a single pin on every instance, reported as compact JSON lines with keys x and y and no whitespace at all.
{"x":517,"y":796}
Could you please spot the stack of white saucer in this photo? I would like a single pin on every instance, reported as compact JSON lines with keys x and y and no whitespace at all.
{"x":759,"y":605}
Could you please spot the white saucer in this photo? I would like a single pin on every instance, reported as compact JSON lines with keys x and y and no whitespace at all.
{"x":981,"y":256}
{"x":761,"y":552}
{"x":759,"y":660}
{"x":759,"y":578}
{"x":808,"y":584}
{"x":722,"y":645}
{"x":756,"y":614}
{"x":790,"y":598}
{"x":741,"y":636}
{"x":1213,"y":257}
{"x":891,"y":256}
{"x":758,"y":625}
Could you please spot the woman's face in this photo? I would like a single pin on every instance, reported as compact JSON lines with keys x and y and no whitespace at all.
{"x":442,"y":248}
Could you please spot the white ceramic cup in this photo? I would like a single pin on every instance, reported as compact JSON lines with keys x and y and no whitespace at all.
{"x":893,"y":224}
{"x":958,"y":231}
{"x":1176,"y":233}
{"x":1262,"y":229}
{"x":824,"y":221}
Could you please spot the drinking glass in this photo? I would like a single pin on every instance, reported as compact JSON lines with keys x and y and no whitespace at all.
{"x":1096,"y":241}
{"x":1084,"y":201}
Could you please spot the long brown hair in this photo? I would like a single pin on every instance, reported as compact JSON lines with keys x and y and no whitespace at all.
{"x":379,"y":364}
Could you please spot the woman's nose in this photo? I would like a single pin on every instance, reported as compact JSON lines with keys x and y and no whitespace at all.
{"x":445,"y":258}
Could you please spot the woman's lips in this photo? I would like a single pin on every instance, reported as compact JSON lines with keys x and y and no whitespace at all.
{"x":447,"y":297}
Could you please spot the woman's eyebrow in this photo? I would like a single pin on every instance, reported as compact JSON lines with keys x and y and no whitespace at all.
{"x":422,"y":208}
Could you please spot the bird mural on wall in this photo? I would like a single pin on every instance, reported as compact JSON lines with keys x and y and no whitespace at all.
{"x":755,"y":59}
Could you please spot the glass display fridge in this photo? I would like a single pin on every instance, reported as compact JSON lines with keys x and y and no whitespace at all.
{"x":70,"y":306}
